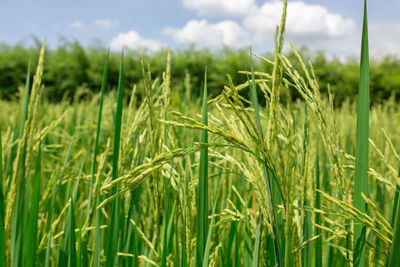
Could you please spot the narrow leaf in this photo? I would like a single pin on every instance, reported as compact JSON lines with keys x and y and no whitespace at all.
{"x":362,"y":147}
{"x":202,"y":201}
{"x":112,"y":241}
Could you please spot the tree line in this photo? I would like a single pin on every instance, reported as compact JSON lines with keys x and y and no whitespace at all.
{"x":71,"y":68}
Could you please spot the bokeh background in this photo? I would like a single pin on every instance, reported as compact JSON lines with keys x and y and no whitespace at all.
{"x":201,"y":33}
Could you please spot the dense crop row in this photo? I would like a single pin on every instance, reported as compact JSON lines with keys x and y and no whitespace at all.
{"x":73,"y":71}
{"x":173,"y":180}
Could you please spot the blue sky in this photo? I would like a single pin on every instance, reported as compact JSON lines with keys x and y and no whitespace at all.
{"x":330,"y":25}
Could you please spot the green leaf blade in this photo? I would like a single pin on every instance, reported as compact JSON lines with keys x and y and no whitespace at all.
{"x":202,"y":203}
{"x":362,"y":146}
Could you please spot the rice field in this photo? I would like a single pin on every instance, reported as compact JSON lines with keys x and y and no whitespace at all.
{"x":241,"y":178}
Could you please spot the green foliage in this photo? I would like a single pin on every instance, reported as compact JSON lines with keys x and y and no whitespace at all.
{"x":73,"y":71}
{"x":123,"y":180}
{"x":240,"y":232}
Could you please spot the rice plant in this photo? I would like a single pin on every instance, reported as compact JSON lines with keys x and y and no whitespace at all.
{"x":152,"y":176}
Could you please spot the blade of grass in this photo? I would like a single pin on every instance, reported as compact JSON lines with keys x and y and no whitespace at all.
{"x":67,"y":253}
{"x":318,"y":244}
{"x":54,"y":193}
{"x":394,"y":260}
{"x":237,"y":250}
{"x":96,"y":144}
{"x":79,"y":250}
{"x":231,"y":238}
{"x":16,"y":226}
{"x":170,"y":224}
{"x":208,"y":240}
{"x":165,"y":224}
{"x":256,"y":251}
{"x":394,"y":209}
{"x":31,"y":228}
{"x":136,"y":238}
{"x":2,"y":211}
{"x":202,"y":201}
{"x":112,"y":240}
{"x":72,"y":260}
{"x":183,"y":262}
{"x":97,"y":247}
{"x":362,"y":147}
{"x":98,"y":217}
{"x":307,"y":227}
{"x":98,"y":242}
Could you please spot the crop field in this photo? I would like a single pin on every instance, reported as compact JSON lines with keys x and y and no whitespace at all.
{"x":247,"y":177}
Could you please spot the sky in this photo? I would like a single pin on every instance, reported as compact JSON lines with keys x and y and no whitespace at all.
{"x":333,"y":26}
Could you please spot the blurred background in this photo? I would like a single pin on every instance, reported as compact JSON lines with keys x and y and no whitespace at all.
{"x":212,"y":33}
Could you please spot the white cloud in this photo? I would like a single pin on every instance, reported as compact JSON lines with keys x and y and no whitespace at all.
{"x":307,"y":24}
{"x":304,"y":21}
{"x":132,"y":40}
{"x":204,"y":34}
{"x":105,"y":23}
{"x":235,"y":8}
{"x":311,"y":25}
{"x":76,"y":24}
